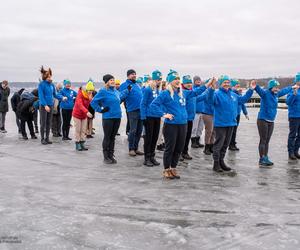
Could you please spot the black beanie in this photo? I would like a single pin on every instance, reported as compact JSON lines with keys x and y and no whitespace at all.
{"x":107,"y":77}
{"x":131,"y":71}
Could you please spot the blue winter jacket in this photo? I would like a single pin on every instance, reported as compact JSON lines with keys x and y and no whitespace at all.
{"x":241,"y":107}
{"x":164,"y":103}
{"x":293,"y":102}
{"x":148,"y":96}
{"x":225,"y":104}
{"x":199,"y":102}
{"x":47,"y":93}
{"x":269,"y":102}
{"x":191,"y":97}
{"x":109,"y":97}
{"x":134,"y":97}
{"x":71,"y":95}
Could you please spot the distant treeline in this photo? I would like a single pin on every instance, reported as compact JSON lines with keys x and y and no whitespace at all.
{"x":284,"y":81}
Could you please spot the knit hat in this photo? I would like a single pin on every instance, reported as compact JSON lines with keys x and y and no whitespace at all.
{"x":66,"y":82}
{"x":186,"y":79}
{"x":223,"y":78}
{"x":89,"y":86}
{"x":146,"y":78}
{"x":156,"y":75}
{"x":273,"y":83}
{"x":107,"y":77}
{"x":172,"y":76}
{"x":234,"y":82}
{"x":139,"y":80}
{"x":130,"y":71}
{"x":196,"y":78}
{"x":117,"y":81}
{"x":297,"y":77}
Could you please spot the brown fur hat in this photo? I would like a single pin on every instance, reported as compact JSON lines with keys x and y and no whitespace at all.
{"x":45,"y":73}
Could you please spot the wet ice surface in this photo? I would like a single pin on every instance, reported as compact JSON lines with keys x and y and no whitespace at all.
{"x":52,"y":197}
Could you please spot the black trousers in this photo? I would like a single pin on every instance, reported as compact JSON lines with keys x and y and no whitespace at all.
{"x":23,"y":127}
{"x":265,"y":130}
{"x":45,"y":122}
{"x":110,"y":129}
{"x":35,"y":119}
{"x":233,"y":137}
{"x":223,"y":138}
{"x":18,"y":122}
{"x":66,"y":117}
{"x":188,"y":137}
{"x":152,"y":127}
{"x":174,"y":135}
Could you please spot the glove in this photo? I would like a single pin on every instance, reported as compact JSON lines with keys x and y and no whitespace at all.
{"x":129,"y":88}
{"x":104,"y":110}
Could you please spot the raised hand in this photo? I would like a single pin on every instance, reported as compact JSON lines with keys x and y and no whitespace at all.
{"x":252,"y":84}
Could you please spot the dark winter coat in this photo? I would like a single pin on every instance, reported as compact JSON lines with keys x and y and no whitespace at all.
{"x":4,"y":93}
{"x":16,"y":98}
{"x":25,"y":107}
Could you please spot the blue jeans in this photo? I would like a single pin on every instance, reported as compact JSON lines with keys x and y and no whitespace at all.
{"x":136,"y":128}
{"x":294,"y":135}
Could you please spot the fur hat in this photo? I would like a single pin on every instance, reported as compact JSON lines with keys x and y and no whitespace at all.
{"x":45,"y":73}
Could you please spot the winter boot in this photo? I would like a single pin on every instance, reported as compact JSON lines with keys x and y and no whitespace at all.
{"x":174,"y":173}
{"x":297,"y":155}
{"x":268,"y":161}
{"x":78,"y":146}
{"x":211,"y":148}
{"x":263,"y":163}
{"x":154,"y":161}
{"x":217,"y":168}
{"x":160,"y":147}
{"x":83,"y":146}
{"x":207,"y":149}
{"x":147,"y":161}
{"x":167,"y":174}
{"x":292,"y":157}
{"x":224,"y":166}
{"x":33,"y":136}
{"x":198,"y":142}
{"x":186,"y":156}
{"x":106,"y":158}
{"x":48,"y":141}
{"x":112,"y":157}
{"x":194,"y":142}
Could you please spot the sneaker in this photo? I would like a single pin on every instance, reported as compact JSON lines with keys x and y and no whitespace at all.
{"x":263,"y":163}
{"x":24,"y":137}
{"x":33,"y":137}
{"x":292,"y":157}
{"x":148,"y":163}
{"x":268,"y":161}
{"x":154,"y":161}
{"x":233,"y":148}
{"x":3,"y":130}
{"x":186,"y":156}
{"x":132,"y":153}
{"x":137,"y":152}
{"x":48,"y":141}
{"x":44,"y":142}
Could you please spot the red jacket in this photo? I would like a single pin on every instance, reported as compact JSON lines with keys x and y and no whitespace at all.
{"x":81,"y":106}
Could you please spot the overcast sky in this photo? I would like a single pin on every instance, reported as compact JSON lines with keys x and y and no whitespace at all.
{"x":88,"y":38}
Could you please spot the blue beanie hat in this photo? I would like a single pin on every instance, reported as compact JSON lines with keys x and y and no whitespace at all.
{"x":66,"y":81}
{"x":273,"y":83}
{"x":172,"y":76}
{"x":156,"y":75}
{"x":223,"y":78}
{"x":234,"y":82}
{"x":186,"y":79}
{"x":146,"y":78}
{"x":297,"y":77}
{"x":139,"y":80}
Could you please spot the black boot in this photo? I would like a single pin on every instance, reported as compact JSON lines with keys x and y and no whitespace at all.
{"x":198,"y":142}
{"x":207,"y":150}
{"x":224,"y":166}
{"x":194,"y":142}
{"x":112,"y":157}
{"x":297,"y":155}
{"x":186,"y":156}
{"x":154,"y":161}
{"x":48,"y":141}
{"x":147,"y":161}
{"x":217,"y":168}
{"x":106,"y":158}
{"x":211,"y":148}
{"x":292,"y":157}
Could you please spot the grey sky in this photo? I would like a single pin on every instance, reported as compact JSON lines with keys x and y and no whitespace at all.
{"x":83,"y":38}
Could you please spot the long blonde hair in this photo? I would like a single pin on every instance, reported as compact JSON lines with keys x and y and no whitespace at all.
{"x":170,"y":88}
{"x":152,"y":85}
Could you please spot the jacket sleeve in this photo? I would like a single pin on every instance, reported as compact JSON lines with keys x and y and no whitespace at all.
{"x":195,"y":92}
{"x":211,"y":99}
{"x":124,"y":94}
{"x":291,"y":98}
{"x":157,"y":104}
{"x":25,"y":106}
{"x":41,"y":95}
{"x":96,"y":102}
{"x":284,"y":91}
{"x":81,"y":106}
{"x":245,"y":98}
{"x":244,"y":108}
{"x":144,"y":102}
{"x":13,"y":102}
{"x":260,"y":91}
{"x":202,"y":97}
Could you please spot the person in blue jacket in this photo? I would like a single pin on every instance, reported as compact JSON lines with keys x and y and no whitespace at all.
{"x":107,"y":102}
{"x":133,"y":105}
{"x":266,"y":117}
{"x":225,"y":103}
{"x":236,"y":88}
{"x":190,"y":95}
{"x":198,"y":123}
{"x":150,"y":119}
{"x":293,"y":102}
{"x":47,"y":93}
{"x":67,"y":105}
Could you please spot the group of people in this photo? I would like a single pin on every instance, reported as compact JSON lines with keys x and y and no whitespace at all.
{"x":184,"y":105}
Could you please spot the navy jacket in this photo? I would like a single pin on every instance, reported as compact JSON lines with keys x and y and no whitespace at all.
{"x":134,"y":97}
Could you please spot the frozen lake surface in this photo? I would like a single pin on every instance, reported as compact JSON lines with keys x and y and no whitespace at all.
{"x":52,"y":197}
